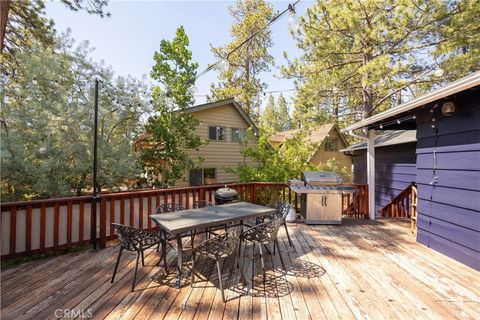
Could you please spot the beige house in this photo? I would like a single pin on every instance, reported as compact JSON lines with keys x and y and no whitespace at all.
{"x":329,"y":140}
{"x":224,"y":124}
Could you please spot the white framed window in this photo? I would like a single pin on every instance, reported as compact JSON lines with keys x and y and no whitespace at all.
{"x":238,"y":134}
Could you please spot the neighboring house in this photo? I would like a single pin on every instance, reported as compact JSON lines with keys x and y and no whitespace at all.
{"x":447,"y":164}
{"x":224,"y":124}
{"x":329,"y":140}
{"x":395,"y":164}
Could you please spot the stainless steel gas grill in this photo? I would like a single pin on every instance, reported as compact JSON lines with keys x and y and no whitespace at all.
{"x":320,"y":196}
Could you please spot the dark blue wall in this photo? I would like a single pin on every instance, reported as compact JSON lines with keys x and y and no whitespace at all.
{"x":449,"y":208}
{"x":395,"y":170}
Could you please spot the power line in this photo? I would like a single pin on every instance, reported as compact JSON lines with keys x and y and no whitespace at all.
{"x":290,"y":8}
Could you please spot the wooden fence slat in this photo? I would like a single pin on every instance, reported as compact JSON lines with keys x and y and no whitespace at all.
{"x":103,"y":223}
{"x":28,"y":229}
{"x":43,"y":224}
{"x":69,"y":223}
{"x":131,"y":222}
{"x":140,"y":212}
{"x":81,"y":213}
{"x":56,"y":225}
{"x":149,"y":209}
{"x":13,"y":231}
{"x":122,"y":210}
{"x":112,"y":216}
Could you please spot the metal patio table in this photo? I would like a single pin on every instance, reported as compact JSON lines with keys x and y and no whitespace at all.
{"x":180,"y":223}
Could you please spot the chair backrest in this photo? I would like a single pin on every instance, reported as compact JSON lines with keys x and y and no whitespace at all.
{"x":224,"y":244}
{"x":130,"y":238}
{"x":168,"y":207}
{"x":264,"y":232}
{"x":201,"y":204}
{"x":282,"y":207}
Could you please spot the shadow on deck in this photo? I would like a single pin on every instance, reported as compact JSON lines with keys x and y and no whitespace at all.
{"x":358,"y":269}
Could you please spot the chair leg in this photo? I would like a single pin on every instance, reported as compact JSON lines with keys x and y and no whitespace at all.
{"x":116,"y":264}
{"x":193,"y":271}
{"x":135,"y":272}
{"x":143,"y":259}
{"x":219,"y":270}
{"x":288,"y":236}
{"x":280,"y":254}
{"x":274,"y":248}
{"x":261,"y":260}
{"x":268,"y":250}
{"x":164,"y":245}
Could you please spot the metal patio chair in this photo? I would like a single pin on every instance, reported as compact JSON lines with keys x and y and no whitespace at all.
{"x":168,"y":207}
{"x":219,"y":247}
{"x":202,"y":204}
{"x":135,"y":240}
{"x":282,"y":209}
{"x":165,"y":208}
{"x":264,"y":234}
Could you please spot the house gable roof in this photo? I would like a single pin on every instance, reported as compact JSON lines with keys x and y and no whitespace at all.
{"x":388,"y":138}
{"x":316,"y":135}
{"x":219,"y":103}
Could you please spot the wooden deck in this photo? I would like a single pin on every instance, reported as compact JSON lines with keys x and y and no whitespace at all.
{"x":361,"y":269}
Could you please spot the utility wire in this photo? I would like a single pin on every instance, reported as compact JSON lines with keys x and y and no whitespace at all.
{"x":290,"y":8}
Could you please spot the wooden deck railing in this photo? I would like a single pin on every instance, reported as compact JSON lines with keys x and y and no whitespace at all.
{"x":42,"y":226}
{"x":355,"y":204}
{"x":401,"y":205}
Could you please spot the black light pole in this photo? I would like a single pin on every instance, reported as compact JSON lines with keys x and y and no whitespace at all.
{"x":93,"y":218}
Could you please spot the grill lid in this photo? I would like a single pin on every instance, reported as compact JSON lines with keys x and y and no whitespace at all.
{"x":226,"y":194}
{"x":315,"y":178}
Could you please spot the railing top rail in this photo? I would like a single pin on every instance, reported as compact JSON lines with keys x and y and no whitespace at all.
{"x":6,"y":205}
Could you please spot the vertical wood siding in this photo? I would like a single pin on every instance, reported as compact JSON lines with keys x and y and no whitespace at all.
{"x":395,"y":170}
{"x":449,"y":206}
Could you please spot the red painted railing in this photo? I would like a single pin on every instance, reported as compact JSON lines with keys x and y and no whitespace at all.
{"x":401,"y":205}
{"x":41,"y":226}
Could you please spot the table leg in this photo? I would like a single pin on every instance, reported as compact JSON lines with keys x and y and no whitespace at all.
{"x":179,"y":261}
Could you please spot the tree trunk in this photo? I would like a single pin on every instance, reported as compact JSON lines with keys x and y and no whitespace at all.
{"x":366,"y":93}
{"x":164,"y":174}
{"x":4,"y":9}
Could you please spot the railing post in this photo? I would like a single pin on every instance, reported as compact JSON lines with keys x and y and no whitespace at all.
{"x":103,"y":223}
{"x":252,"y":193}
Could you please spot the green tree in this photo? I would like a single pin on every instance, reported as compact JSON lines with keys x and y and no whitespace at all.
{"x":23,"y":24}
{"x":47,"y":126}
{"x":283,"y":115}
{"x":458,"y":49}
{"x":275,"y":117}
{"x":361,"y":57}
{"x":241,"y":78}
{"x":276,"y":163}
{"x":268,"y":118}
{"x":171,"y":132}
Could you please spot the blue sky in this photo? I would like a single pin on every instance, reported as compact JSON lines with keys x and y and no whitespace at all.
{"x":127,"y":39}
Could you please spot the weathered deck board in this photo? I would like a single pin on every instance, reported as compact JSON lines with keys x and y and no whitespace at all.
{"x":359,"y":269}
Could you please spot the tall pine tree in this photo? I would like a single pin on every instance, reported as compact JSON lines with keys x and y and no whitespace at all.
{"x":241,"y":78}
{"x":361,"y":57}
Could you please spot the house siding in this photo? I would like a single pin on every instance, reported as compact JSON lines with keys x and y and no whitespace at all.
{"x":321,"y":156}
{"x":395,"y":169}
{"x":449,"y":206}
{"x":219,"y":154}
